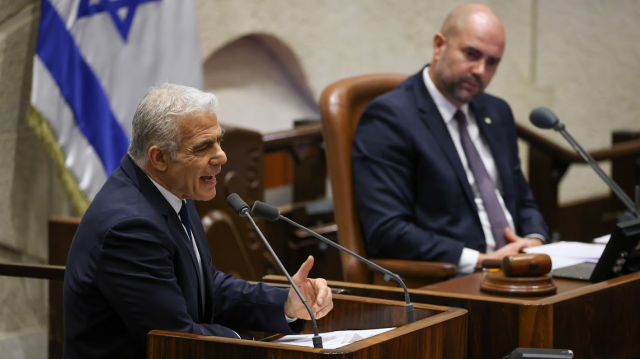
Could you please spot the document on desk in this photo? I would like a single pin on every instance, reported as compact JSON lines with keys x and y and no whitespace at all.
{"x":602,"y":240}
{"x":564,"y":254}
{"x":331,"y":340}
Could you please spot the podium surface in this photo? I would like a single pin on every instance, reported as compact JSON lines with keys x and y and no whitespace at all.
{"x":599,"y":320}
{"x":438,"y":332}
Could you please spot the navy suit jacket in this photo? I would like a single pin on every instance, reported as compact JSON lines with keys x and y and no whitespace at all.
{"x":132,"y":269}
{"x":412,"y":194}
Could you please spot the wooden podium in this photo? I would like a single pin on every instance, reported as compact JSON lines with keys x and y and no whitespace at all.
{"x":594,"y":320}
{"x":439,"y":332}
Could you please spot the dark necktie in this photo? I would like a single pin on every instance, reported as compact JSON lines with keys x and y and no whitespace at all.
{"x":184,"y":218}
{"x":485,"y":185}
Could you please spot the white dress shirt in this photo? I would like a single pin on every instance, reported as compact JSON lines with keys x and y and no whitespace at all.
{"x":469,"y":257}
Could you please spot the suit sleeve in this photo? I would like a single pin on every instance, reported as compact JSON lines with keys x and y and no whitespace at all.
{"x":244,"y":306}
{"x":136,"y":275}
{"x":383,"y":161}
{"x":529,"y":220}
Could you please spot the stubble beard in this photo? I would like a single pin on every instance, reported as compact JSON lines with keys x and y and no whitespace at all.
{"x":454,"y":87}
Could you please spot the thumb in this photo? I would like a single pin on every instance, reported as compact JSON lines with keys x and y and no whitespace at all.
{"x":303,"y":272}
{"x":509,"y":235}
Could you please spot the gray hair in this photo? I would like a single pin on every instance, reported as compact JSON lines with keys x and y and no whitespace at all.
{"x":156,"y":119}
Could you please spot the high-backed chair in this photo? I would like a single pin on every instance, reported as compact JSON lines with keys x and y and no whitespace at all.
{"x":341,"y":105}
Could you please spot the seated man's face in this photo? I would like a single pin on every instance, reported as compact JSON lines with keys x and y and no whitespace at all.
{"x":465,"y":64}
{"x":199,"y":158}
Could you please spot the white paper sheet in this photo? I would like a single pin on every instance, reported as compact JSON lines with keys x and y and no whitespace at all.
{"x":602,"y":240}
{"x":331,"y":340}
{"x":576,"y":250}
{"x":565,"y":254}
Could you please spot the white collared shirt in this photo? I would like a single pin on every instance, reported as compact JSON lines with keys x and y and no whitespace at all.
{"x":469,"y":257}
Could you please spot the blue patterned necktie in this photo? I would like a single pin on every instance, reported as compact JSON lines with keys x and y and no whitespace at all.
{"x":485,"y":185}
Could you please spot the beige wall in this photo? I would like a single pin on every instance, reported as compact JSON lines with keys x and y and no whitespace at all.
{"x":578,"y":57}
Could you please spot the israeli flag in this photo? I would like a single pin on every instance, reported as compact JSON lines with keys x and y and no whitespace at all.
{"x":94,"y":61}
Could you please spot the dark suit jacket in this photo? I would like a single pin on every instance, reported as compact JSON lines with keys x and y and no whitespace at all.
{"x":411,"y":190}
{"x":132,"y":269}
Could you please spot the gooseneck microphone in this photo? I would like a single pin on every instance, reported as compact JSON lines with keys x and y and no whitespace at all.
{"x":242,"y":209}
{"x":271,"y":213}
{"x":543,"y":117}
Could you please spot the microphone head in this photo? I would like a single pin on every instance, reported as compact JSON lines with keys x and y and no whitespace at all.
{"x":238,"y":205}
{"x":542,"y":117}
{"x":264,"y":210}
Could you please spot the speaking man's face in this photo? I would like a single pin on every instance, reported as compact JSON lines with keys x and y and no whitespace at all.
{"x":465,"y":64}
{"x":199,"y":159}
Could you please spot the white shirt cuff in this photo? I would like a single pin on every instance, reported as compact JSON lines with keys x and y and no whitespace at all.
{"x":537,"y":236}
{"x":468,"y":260}
{"x":290,"y":320}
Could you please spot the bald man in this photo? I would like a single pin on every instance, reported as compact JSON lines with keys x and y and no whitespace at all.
{"x":435,"y":161}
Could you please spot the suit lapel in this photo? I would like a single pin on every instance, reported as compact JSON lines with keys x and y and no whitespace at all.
{"x":177,"y":231}
{"x":434,"y":121}
{"x":494,"y":135}
{"x":158,"y":201}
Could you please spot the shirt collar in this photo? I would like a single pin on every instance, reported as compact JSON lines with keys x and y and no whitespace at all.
{"x":445,"y":107}
{"x":175,"y":202}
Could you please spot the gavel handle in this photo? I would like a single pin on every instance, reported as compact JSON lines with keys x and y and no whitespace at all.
{"x":492,"y":263}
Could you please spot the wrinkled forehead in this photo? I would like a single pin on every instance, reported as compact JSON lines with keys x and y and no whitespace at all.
{"x":204,"y":124}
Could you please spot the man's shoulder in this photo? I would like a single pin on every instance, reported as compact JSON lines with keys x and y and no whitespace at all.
{"x":119,"y":199}
{"x":401,"y":96}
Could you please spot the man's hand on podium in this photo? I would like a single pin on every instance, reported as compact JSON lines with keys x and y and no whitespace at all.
{"x":315,"y":291}
{"x":513,"y":238}
{"x":516,"y":245}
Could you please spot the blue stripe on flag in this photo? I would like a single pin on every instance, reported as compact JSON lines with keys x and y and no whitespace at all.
{"x":81,"y":89}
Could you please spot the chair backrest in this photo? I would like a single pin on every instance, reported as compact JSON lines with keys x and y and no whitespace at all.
{"x":341,"y":105}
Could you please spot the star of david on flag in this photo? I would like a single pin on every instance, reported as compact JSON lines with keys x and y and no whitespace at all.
{"x":95,"y":60}
{"x":121,"y":12}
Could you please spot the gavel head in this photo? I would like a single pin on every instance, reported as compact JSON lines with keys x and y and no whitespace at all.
{"x":526,"y":265}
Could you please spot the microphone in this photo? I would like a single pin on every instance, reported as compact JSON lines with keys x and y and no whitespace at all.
{"x":271,"y":213}
{"x":242,"y":209}
{"x":543,"y":117}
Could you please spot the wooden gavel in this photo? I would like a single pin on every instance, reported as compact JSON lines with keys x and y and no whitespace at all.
{"x":521,"y":265}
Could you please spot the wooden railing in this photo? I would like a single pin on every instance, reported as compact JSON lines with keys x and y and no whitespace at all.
{"x":36,"y":271}
{"x":594,"y":216}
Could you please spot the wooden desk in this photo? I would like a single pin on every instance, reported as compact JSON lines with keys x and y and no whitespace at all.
{"x":594,"y":320}
{"x":435,"y":334}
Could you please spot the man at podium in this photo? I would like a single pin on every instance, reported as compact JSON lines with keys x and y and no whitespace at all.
{"x":435,"y":161}
{"x":140,"y":260}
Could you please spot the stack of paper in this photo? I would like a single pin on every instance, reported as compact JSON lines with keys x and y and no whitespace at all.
{"x":602,"y":240}
{"x":564,"y":254}
{"x":331,"y":340}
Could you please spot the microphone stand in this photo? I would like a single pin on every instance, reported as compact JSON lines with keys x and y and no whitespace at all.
{"x":633,"y":208}
{"x":317,"y":339}
{"x":240,"y":207}
{"x":408,"y":306}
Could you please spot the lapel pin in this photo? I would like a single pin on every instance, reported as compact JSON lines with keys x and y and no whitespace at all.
{"x":487,"y":120}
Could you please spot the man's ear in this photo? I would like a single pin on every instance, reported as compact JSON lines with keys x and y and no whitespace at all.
{"x":158,"y":159}
{"x":439,"y":46}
